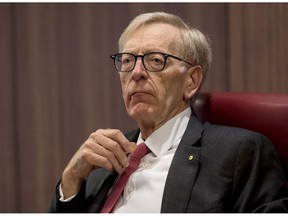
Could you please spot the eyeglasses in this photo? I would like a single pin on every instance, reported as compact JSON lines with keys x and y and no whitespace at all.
{"x":153,"y":61}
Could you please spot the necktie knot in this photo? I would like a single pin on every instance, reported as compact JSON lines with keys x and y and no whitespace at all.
{"x":140,"y":151}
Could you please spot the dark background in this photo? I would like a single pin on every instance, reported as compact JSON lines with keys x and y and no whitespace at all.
{"x":57,"y":83}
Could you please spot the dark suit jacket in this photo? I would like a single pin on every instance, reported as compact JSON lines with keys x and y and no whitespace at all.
{"x":233,"y":170}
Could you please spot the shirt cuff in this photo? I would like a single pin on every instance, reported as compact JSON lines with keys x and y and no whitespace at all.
{"x":62,"y":195}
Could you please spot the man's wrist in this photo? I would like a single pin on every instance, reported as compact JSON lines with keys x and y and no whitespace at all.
{"x":70,"y":185}
{"x":62,"y":198}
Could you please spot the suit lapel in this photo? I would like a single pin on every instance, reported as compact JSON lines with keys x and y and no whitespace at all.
{"x":132,"y":136}
{"x":183,"y":170}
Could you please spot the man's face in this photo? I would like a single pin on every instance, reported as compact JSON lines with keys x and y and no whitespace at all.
{"x":152,"y":98}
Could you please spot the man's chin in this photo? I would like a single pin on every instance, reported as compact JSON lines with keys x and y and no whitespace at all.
{"x":139,"y":111}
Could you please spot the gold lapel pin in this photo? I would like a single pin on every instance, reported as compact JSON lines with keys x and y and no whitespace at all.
{"x":190,"y":157}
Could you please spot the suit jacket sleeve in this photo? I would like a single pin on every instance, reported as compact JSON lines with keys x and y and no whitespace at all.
{"x":91,"y":197}
{"x":76,"y":205}
{"x":259,"y":182}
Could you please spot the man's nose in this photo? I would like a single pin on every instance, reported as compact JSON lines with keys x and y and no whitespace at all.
{"x":139,"y":70}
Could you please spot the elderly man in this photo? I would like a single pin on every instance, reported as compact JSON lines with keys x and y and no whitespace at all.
{"x":188,"y":166}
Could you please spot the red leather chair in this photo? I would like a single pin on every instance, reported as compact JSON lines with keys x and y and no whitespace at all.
{"x":263,"y":113}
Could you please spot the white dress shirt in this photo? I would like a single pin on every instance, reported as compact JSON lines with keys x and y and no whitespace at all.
{"x":144,"y":190}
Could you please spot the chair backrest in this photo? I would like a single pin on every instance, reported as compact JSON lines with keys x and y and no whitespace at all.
{"x":263,"y":113}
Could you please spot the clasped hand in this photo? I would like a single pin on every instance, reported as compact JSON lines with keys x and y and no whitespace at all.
{"x":104,"y":148}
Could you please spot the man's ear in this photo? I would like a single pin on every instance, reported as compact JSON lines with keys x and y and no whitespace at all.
{"x":194,"y":80}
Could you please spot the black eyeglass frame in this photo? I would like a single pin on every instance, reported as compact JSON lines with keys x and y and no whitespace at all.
{"x":166,"y":56}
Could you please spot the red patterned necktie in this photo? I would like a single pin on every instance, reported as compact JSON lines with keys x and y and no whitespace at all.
{"x":134,"y":161}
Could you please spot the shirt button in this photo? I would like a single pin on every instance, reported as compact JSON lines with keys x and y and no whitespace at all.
{"x":144,"y":165}
{"x":129,"y":191}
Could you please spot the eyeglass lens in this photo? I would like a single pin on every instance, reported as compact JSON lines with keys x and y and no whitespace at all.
{"x":125,"y":62}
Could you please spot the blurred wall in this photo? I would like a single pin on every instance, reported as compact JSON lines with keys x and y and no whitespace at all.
{"x":57,"y":83}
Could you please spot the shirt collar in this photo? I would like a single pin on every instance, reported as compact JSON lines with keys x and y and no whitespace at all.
{"x":161,"y":140}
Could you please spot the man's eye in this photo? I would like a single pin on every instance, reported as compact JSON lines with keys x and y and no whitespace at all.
{"x":157,"y":60}
{"x":126,"y":60}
